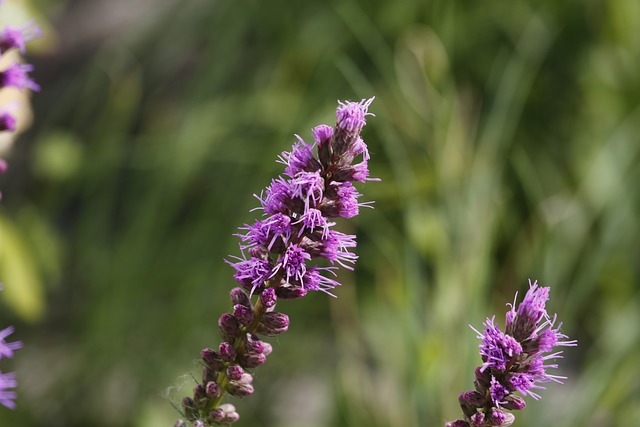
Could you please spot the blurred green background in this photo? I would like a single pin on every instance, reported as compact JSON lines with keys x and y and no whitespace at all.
{"x":507,"y":139}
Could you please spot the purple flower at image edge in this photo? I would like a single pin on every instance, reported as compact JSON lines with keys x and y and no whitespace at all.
{"x":16,"y":76}
{"x":514,"y":361}
{"x":8,"y":397}
{"x":8,"y":380}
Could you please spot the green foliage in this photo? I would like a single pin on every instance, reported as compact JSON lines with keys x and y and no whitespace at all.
{"x":506,"y":137}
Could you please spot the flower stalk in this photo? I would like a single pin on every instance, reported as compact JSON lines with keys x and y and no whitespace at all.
{"x":282,"y":258}
{"x":514,"y":361}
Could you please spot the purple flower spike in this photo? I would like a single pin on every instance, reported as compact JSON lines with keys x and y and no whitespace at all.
{"x":513,"y":361}
{"x":284,"y":256}
{"x":16,"y":76}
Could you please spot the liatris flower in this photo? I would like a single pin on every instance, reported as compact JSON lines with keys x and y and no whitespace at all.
{"x":514,"y":361}
{"x":280,"y":257}
{"x":17,"y":76}
{"x":8,"y":381}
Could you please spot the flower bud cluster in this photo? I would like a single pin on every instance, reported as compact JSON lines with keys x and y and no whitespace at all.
{"x":16,"y":75}
{"x":513,"y":362}
{"x":281,"y":254}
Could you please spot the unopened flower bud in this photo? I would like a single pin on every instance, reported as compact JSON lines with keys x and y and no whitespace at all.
{"x":477,"y":419}
{"x":239,"y":296}
{"x":243,"y":314}
{"x":267,"y":348}
{"x":252,"y":360}
{"x":470,"y":401}
{"x":246,"y":378}
{"x":472,"y":398}
{"x":513,"y":402}
{"x":290,"y":292}
{"x":501,"y":418}
{"x":180,"y":423}
{"x":216,"y":416}
{"x":189,"y":408}
{"x":212,"y":359}
{"x":268,"y":297}
{"x":275,"y":320}
{"x":212,"y":390}
{"x":234,"y":372}
{"x":199,"y":394}
{"x":208,"y":375}
{"x":273,"y":324}
{"x":227,"y":352}
{"x":238,"y":389}
{"x":482,"y":379}
{"x":229,"y":326}
{"x":199,"y":423}
{"x":253,"y":344}
{"x":224,"y":414}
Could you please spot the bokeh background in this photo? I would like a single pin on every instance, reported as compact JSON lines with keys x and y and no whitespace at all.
{"x":507,"y":139}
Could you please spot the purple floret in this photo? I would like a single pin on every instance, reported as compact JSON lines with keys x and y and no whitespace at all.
{"x":7,"y":348}
{"x":350,"y":116}
{"x":7,"y":397}
{"x":17,"y":76}
{"x":17,"y":38}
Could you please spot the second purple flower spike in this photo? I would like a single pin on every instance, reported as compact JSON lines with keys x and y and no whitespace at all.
{"x":514,"y":361}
